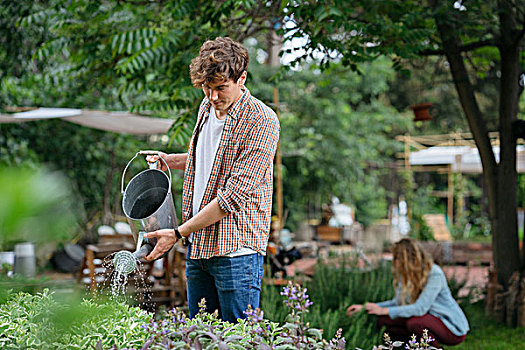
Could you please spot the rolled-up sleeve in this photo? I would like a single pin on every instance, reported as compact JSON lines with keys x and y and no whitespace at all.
{"x":250,"y":168}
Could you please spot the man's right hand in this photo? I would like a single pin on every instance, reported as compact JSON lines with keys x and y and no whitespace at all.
{"x":174,"y":160}
{"x":155,"y":158}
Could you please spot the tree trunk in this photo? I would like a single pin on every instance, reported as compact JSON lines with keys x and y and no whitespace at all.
{"x":507,"y":255}
{"x":501,"y":180}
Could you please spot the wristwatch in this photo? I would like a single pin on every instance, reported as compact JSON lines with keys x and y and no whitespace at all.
{"x":177,"y":234}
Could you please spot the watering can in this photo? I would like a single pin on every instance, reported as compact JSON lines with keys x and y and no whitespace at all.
{"x":148,"y":206}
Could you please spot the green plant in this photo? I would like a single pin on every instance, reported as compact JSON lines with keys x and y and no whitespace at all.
{"x":339,"y":283}
{"x":35,"y":205}
{"x":176,"y":331}
{"x":41,"y":322}
{"x":19,"y":283}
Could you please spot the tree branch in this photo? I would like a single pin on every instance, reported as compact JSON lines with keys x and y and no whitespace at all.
{"x":463,"y":48}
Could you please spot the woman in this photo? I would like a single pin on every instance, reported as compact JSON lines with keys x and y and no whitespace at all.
{"x":422,"y":299}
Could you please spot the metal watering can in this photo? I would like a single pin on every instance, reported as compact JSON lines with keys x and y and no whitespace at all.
{"x":148,"y":205}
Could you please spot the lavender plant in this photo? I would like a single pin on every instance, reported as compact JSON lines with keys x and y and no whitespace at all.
{"x":176,"y":330}
{"x":412,"y":344}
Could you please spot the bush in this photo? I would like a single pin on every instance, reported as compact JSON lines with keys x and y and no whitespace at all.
{"x":36,"y":206}
{"x":40,"y":322}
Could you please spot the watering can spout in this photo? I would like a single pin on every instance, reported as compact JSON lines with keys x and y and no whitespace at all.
{"x":125,"y":262}
{"x":143,"y":251}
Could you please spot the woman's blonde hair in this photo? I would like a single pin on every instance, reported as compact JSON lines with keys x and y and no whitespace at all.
{"x":411,"y":267}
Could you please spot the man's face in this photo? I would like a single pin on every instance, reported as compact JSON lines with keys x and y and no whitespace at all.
{"x":223,"y":94}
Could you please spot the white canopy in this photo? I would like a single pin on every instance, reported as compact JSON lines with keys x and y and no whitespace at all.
{"x":464,"y":159}
{"x":121,"y":122}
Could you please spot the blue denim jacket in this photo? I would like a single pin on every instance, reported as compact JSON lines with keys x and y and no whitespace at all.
{"x":436,"y":300}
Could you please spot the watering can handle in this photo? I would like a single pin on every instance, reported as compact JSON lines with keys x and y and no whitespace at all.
{"x":142,"y":153}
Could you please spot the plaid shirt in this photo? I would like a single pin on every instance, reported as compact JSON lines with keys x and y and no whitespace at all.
{"x":241,"y":179}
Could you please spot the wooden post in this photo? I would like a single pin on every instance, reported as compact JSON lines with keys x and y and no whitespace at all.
{"x":407,"y":151}
{"x":450,"y":201}
{"x":90,"y":257}
{"x":274,"y":46}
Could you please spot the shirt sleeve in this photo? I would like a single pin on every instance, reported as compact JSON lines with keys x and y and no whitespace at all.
{"x":423,"y":302}
{"x":252,"y":164}
{"x":387,"y":303}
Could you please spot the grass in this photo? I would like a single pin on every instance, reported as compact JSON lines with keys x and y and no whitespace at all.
{"x":486,"y":334}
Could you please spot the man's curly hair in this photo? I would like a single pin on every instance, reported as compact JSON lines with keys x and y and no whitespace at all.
{"x":219,"y":60}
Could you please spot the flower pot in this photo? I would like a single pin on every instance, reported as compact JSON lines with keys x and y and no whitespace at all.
{"x":25,"y":261}
{"x":7,"y":260}
{"x":421,"y":111}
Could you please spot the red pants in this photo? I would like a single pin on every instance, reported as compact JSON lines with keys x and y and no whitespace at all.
{"x":403,"y":328}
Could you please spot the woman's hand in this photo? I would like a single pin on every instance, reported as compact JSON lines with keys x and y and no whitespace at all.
{"x":353,"y":309}
{"x":375,"y":309}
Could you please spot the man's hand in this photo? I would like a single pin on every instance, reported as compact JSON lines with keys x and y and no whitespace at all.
{"x":375,"y":309}
{"x":174,"y":160}
{"x":156,"y":159}
{"x":353,"y":309}
{"x":165,"y":240}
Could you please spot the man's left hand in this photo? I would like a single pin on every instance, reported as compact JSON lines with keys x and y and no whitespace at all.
{"x":165,"y":240}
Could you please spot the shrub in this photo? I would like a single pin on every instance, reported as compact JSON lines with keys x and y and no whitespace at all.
{"x":176,"y":331}
{"x":40,"y":322}
{"x":36,"y":205}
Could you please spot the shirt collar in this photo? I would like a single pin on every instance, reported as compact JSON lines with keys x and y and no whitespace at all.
{"x":235,"y":108}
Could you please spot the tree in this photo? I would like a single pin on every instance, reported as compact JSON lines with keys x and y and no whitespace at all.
{"x":475,"y":37}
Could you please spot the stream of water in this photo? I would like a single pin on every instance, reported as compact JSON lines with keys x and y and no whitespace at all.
{"x":132,"y":287}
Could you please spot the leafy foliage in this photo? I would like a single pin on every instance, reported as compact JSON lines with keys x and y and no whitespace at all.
{"x":35,"y":206}
{"x":337,"y":285}
{"x":41,"y":322}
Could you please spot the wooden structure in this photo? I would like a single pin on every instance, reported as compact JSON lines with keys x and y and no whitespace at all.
{"x":451,"y":154}
{"x":329,"y":233}
{"x":438,"y":226}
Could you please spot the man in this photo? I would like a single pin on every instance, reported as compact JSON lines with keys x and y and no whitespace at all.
{"x":227,"y":190}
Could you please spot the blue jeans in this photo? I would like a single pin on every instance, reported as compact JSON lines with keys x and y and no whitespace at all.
{"x":229,"y":285}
